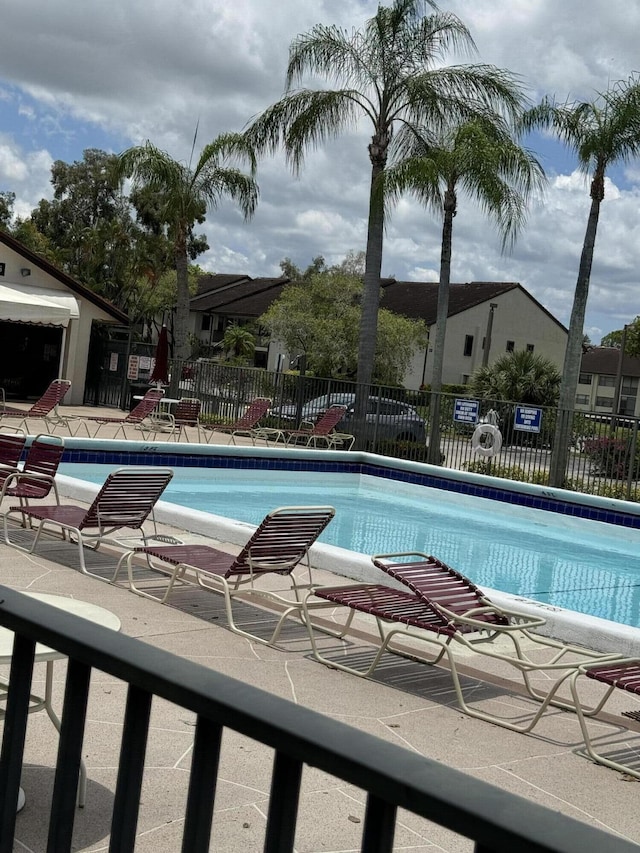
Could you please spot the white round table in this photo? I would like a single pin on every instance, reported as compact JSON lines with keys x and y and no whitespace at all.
{"x":43,"y":654}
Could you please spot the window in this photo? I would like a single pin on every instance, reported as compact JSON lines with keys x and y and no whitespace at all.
{"x":585,"y":379}
{"x":582,"y":399}
{"x":630,"y":385}
{"x":206,"y":322}
{"x":468,"y":345}
{"x":530,"y":347}
{"x":604,"y":402}
{"x":606,"y":381}
{"x":511,"y":345}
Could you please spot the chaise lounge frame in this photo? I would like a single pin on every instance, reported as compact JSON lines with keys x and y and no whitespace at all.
{"x":443,"y":609}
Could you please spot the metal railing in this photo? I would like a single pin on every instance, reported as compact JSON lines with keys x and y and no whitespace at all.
{"x":604,"y":457}
{"x":392,"y":777}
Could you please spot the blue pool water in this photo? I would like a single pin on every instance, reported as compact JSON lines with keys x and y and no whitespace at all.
{"x":582,"y":565}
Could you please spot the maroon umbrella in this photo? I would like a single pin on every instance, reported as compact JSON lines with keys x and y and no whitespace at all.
{"x":160,"y":372}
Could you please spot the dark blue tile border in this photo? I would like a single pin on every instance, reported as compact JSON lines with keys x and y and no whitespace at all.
{"x":261,"y":463}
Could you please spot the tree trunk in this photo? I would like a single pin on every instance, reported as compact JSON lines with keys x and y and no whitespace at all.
{"x":450,"y":203}
{"x":573,"y":353}
{"x":181,"y":343}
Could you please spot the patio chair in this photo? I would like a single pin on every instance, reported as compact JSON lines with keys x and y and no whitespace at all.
{"x":125,"y":501}
{"x":247,"y":424}
{"x":278,"y":546}
{"x":11,"y":447}
{"x":622,"y":674}
{"x":444,"y":609}
{"x":309,"y":433}
{"x":145,"y":408}
{"x":174,"y":424}
{"x":36,"y":479}
{"x":45,"y":409}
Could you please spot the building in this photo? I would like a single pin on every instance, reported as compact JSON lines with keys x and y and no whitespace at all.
{"x":486,"y":319}
{"x":606,"y":378}
{"x":46,"y":323}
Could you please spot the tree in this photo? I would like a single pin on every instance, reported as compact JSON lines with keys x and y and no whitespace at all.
{"x":520,"y":377}
{"x":630,"y":335}
{"x":7,"y":200}
{"x":320,"y":318}
{"x":601,"y":133}
{"x":391,"y":72}
{"x":238,"y":343}
{"x":183,"y":196}
{"x":482,"y":158}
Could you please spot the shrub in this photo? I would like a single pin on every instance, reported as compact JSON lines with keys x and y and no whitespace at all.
{"x":610,"y":457}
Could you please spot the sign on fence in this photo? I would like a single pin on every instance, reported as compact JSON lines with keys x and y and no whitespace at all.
{"x":466,"y":411}
{"x":527,"y":419}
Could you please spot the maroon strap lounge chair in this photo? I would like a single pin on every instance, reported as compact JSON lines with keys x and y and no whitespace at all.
{"x":247,"y":424}
{"x":36,"y":479}
{"x":45,"y":409}
{"x":174,"y":424}
{"x":321,"y":431}
{"x":136,"y":416}
{"x":11,"y":447}
{"x":278,"y":546}
{"x":443,"y":608}
{"x":125,"y":501}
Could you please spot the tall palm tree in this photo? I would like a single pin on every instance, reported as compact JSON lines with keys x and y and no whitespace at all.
{"x":390,"y":71}
{"x":185,"y":193}
{"x":601,"y":133}
{"x":481,"y":158}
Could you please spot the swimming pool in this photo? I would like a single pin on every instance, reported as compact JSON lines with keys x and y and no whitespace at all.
{"x":583,"y":565}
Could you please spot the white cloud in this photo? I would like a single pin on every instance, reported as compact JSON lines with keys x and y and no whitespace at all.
{"x":112,"y":75}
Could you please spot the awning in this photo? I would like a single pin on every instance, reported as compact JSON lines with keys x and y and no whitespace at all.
{"x":42,"y":305}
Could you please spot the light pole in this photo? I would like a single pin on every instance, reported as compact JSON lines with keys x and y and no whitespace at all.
{"x":487,"y":339}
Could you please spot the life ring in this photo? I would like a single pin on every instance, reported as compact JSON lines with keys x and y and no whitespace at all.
{"x":486,"y":449}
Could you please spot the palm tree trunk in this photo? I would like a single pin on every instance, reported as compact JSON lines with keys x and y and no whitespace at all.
{"x":181,"y":344}
{"x":433,"y":452}
{"x":573,"y":353}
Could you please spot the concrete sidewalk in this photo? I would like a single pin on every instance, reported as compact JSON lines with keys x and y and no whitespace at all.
{"x":407,"y":703}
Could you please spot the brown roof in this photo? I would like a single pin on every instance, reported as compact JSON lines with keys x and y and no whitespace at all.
{"x":71,"y":283}
{"x":248,"y":297}
{"x":605,"y":361}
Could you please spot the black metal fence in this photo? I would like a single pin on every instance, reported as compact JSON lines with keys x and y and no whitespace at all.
{"x":604,"y":457}
{"x":393,"y":778}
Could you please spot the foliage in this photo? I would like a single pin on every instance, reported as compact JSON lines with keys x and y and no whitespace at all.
{"x":601,"y":133}
{"x":7,"y":200}
{"x":177,"y":196}
{"x":390,"y":72}
{"x":238,"y":344}
{"x":413,"y":450}
{"x":320,"y":319}
{"x":631,"y":336}
{"x":522,"y":377}
{"x":610,"y":456}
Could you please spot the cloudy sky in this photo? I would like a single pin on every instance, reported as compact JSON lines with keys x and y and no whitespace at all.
{"x":77,"y":75}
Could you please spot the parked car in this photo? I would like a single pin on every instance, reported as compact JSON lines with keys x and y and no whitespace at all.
{"x":388,"y":420}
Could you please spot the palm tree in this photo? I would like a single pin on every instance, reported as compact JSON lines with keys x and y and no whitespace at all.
{"x":185,"y":194}
{"x":521,"y":377}
{"x":238,"y":343}
{"x":391,"y":72}
{"x":601,"y":133}
{"x":482,"y":158}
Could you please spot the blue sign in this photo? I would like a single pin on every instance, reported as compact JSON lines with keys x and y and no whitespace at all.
{"x":466,"y":411}
{"x":527,"y":419}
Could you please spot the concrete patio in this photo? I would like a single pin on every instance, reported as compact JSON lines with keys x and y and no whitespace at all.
{"x":408,"y":703}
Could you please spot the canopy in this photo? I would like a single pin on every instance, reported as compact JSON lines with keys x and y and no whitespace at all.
{"x":22,"y":304}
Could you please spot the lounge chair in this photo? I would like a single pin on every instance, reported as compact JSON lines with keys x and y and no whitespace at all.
{"x":125,"y":501}
{"x":310,"y":434}
{"x":246,"y":426}
{"x":278,"y":546}
{"x":44,"y":409}
{"x":11,"y":447}
{"x":622,"y":674}
{"x":36,"y":479}
{"x":136,"y":416}
{"x":174,"y":424}
{"x":443,"y":609}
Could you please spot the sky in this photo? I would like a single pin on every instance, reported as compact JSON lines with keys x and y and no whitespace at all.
{"x":77,"y":75}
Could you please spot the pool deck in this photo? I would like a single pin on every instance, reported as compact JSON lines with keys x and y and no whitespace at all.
{"x":407,"y":703}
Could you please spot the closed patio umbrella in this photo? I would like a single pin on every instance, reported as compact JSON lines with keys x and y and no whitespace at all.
{"x":160,"y":372}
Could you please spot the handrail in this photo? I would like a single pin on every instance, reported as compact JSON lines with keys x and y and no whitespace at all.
{"x":393,"y":777}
